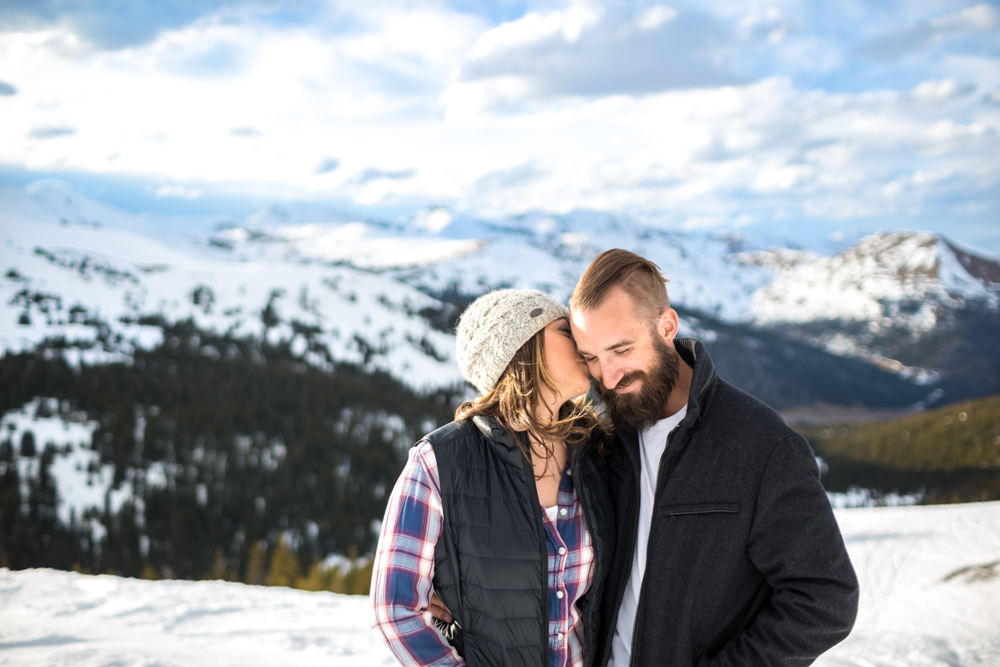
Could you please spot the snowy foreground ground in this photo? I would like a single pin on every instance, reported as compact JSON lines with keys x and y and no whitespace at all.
{"x":930,"y":596}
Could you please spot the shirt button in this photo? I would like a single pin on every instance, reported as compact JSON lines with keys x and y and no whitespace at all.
{"x":559,"y":594}
{"x":562,"y":551}
{"x":559,"y":636}
{"x":563,"y":511}
{"x":568,"y":471}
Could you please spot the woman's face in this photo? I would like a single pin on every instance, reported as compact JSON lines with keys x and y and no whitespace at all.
{"x":567,"y":368}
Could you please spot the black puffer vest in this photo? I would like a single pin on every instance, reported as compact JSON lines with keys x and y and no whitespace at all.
{"x":491,"y":562}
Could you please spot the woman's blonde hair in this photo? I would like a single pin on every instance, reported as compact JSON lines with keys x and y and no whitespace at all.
{"x":517,"y":394}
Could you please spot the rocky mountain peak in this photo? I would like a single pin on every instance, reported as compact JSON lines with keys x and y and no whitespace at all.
{"x":907,"y":278}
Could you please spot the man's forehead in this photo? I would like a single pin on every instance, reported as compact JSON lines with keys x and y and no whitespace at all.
{"x":599,"y":329}
{"x":616,"y":307}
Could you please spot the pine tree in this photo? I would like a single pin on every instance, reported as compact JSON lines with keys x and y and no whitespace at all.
{"x":255,"y":573}
{"x":318,"y":578}
{"x":285,"y":569}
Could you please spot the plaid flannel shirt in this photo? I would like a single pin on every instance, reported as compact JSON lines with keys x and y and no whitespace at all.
{"x":404,"y":568}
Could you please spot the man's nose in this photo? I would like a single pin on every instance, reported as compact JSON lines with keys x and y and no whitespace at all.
{"x":612,"y":375}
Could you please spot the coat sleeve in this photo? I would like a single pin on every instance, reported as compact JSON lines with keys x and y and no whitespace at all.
{"x":796,"y":544}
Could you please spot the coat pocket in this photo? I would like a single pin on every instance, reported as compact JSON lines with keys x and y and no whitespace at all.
{"x":700,"y":508}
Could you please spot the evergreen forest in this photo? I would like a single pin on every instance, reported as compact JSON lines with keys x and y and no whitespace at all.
{"x":243,"y":463}
{"x":947,"y":455}
{"x":264,"y":465}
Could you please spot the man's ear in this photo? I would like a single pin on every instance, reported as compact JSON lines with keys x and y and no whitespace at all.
{"x":667,"y":325}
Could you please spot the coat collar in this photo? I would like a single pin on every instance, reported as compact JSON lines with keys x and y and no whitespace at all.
{"x":694,"y":353}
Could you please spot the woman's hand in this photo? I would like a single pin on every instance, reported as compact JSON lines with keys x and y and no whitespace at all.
{"x":438,"y":610}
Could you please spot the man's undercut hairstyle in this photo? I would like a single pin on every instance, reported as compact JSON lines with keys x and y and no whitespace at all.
{"x":640,"y":278}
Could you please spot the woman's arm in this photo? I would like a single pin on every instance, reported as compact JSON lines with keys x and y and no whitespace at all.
{"x":404,"y":566}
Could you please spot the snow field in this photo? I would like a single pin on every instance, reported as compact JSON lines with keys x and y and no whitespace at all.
{"x":915,"y":611}
{"x":54,"y":618}
{"x":920,"y":607}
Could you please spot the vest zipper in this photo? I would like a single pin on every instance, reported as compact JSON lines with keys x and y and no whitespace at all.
{"x":575,"y":463}
{"x":527,"y":467}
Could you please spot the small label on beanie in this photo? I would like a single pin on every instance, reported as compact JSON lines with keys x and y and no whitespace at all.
{"x":536,"y":312}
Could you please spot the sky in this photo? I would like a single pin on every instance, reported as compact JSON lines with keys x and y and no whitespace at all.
{"x":786,"y":115}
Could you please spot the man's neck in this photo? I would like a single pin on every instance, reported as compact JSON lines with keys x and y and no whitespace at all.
{"x":682,"y":389}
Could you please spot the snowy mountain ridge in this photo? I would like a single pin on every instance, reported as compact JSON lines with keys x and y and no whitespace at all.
{"x":103,"y":290}
{"x":337,"y":288}
{"x":888,"y":277}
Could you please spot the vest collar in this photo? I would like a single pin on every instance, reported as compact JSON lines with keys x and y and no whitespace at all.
{"x":492,"y":429}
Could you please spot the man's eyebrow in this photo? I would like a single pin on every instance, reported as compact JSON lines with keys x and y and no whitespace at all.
{"x":623,"y":343}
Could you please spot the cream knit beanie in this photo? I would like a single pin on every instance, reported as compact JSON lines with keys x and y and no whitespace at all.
{"x":495,"y":326}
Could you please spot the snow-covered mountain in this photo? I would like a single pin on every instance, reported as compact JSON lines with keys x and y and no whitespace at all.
{"x":898,"y":300}
{"x":382,"y":294}
{"x":907,"y":279}
{"x":441,"y":252}
{"x":104,"y":289}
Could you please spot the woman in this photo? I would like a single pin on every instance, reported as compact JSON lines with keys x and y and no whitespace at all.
{"x":504,"y":512}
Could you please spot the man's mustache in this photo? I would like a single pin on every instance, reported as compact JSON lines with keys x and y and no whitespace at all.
{"x":629,"y":378}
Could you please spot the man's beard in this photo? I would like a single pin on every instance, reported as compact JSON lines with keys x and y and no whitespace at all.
{"x":638,"y":411}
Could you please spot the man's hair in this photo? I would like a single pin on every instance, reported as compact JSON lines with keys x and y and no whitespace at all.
{"x":640,"y":278}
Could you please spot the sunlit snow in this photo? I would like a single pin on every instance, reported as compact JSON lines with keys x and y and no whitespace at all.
{"x":62,"y":275}
{"x":930,"y":597}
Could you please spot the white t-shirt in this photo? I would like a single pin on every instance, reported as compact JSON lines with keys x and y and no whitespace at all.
{"x":552,"y":512}
{"x":652,"y":445}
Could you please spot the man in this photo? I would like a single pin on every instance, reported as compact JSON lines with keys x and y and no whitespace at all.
{"x":728,"y":552}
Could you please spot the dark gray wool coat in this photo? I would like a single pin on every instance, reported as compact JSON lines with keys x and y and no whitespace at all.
{"x":746,"y":564}
{"x":491,"y":560}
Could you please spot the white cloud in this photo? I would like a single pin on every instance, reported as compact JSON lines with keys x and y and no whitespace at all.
{"x":178,"y":192}
{"x":556,"y":110}
{"x":941,"y":91}
{"x":592,"y":51}
{"x":977,"y":17}
{"x":533,"y":28}
{"x":917,"y":178}
{"x":769,"y":25}
{"x":655,"y":16}
{"x":922,"y":34}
